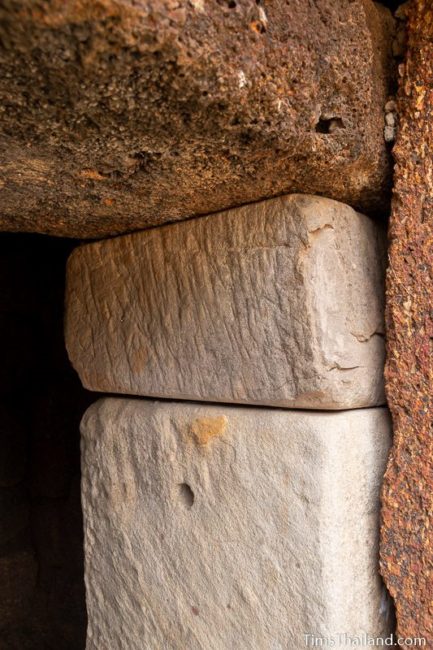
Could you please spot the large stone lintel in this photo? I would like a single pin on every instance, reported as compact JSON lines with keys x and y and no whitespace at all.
{"x":117,"y":115}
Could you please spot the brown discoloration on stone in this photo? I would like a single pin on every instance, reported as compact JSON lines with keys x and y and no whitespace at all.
{"x":204,"y":430}
{"x":407,"y":540}
{"x":117,"y":115}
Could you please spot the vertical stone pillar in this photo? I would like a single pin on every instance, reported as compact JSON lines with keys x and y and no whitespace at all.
{"x":407,"y":530}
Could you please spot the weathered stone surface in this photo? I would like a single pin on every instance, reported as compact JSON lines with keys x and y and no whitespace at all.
{"x":226,"y":527}
{"x":118,"y":114}
{"x":407,"y":541}
{"x":275,"y":303}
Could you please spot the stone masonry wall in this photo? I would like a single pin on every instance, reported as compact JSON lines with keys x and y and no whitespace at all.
{"x":231,"y":475}
{"x":225,"y":526}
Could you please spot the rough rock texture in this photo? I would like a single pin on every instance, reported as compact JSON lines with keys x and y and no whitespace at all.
{"x":275,"y":303}
{"x":118,"y":114}
{"x":224,"y":527}
{"x":407,"y":541}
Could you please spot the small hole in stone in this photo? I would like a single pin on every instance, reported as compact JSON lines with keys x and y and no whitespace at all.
{"x":258,"y":26}
{"x":186,"y":495}
{"x":329,"y":125}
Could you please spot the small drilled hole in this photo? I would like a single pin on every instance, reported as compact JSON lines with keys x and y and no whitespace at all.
{"x":186,"y":495}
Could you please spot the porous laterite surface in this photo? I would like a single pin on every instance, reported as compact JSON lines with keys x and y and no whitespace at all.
{"x":121,"y":114}
{"x":407,"y":513}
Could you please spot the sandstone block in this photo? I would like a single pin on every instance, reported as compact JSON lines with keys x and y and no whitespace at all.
{"x":227,"y":527}
{"x":117,"y":115}
{"x":277,"y":303}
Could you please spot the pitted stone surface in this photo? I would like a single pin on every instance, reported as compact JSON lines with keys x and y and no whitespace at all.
{"x":407,"y":538}
{"x":118,"y":114}
{"x":216,"y":527}
{"x":277,"y":303}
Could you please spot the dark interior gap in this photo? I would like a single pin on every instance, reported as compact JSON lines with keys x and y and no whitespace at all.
{"x":42,"y":598}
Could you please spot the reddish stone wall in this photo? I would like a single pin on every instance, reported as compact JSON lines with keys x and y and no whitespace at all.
{"x":407,"y":530}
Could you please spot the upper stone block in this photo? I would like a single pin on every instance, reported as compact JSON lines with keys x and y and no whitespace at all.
{"x":277,"y":303}
{"x":117,"y":115}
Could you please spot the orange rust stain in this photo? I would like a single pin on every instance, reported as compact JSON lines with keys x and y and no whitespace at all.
{"x":203,"y":430}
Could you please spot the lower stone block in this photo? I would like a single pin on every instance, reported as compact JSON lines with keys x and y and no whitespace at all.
{"x":217,"y":527}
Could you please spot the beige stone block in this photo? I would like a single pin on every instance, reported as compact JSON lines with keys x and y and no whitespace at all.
{"x":277,"y":303}
{"x":217,"y":527}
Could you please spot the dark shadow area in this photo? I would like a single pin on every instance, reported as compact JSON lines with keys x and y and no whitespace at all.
{"x":391,"y":4}
{"x":42,"y":599}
